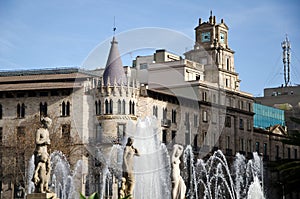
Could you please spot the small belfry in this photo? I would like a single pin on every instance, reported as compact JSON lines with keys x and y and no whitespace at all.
{"x":211,"y":49}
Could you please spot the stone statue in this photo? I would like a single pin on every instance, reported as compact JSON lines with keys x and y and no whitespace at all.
{"x":129,"y":153}
{"x":178,"y":185}
{"x":122,"y":188}
{"x":41,"y":157}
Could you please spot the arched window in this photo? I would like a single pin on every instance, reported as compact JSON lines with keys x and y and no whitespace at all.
{"x":111,"y":106}
{"x":99,"y":107}
{"x":96,"y":107}
{"x":68,"y":109}
{"x":130,"y":107}
{"x":133,"y":108}
{"x":123,"y":107}
{"x":23,"y":110}
{"x":63,"y":108}
{"x":43,"y":109}
{"x":0,"y":111}
{"x":18,"y":111}
{"x":106,"y":107}
{"x":119,"y":107}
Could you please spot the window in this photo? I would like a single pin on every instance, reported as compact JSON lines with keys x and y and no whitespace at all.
{"x":21,"y":110}
{"x":228,"y":121}
{"x":173,"y":136}
{"x":43,"y":109}
{"x":196,"y":142}
{"x":204,"y":119}
{"x":248,"y":125}
{"x":1,"y":135}
{"x":227,"y":142}
{"x":249,"y":146}
{"x":66,"y":130}
{"x":242,"y":144}
{"x":214,"y":98}
{"x":227,"y":82}
{"x":65,"y":108}
{"x":249,"y":107}
{"x":165,"y":112}
{"x":164,"y":137}
{"x":111,"y":106}
{"x":131,"y":108}
{"x":295,"y":154}
{"x":214,"y":118}
{"x":123,"y":107}
{"x":119,"y":107}
{"x":289,"y":152}
{"x":173,"y":116}
{"x":277,"y":151}
{"x":0,"y":111}
{"x":98,"y":107}
{"x":155,"y":110}
{"x":195,"y":120}
{"x":98,"y":133}
{"x":121,"y":132}
{"x":204,"y":138}
{"x":143,"y":66}
{"x":257,"y":147}
{"x":241,"y":124}
{"x":265,"y":149}
{"x":227,"y":64}
{"x":106,"y":107}
{"x":204,"y":96}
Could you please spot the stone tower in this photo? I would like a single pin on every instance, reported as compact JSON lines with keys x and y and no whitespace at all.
{"x":116,"y":99}
{"x":211,"y":49}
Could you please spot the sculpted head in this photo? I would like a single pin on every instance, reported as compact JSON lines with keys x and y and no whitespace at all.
{"x":129,"y":141}
{"x":46,"y":122}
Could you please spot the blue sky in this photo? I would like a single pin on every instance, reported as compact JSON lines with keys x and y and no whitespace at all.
{"x":38,"y":34}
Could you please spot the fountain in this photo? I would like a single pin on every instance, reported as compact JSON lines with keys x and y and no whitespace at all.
{"x":213,"y":178}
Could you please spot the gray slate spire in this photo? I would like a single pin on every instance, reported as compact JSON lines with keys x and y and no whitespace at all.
{"x":114,"y":72}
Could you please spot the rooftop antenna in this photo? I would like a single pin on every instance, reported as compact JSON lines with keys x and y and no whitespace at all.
{"x":286,"y":60}
{"x":114,"y":28}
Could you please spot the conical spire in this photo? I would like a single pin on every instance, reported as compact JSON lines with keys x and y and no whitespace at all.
{"x":114,"y":72}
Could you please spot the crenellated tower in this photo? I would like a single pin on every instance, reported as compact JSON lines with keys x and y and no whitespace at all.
{"x":116,"y":99}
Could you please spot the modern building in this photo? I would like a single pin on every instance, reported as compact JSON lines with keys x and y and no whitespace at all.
{"x":196,"y":99}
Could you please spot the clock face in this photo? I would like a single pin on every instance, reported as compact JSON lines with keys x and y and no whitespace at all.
{"x":205,"y":36}
{"x":222,"y":37}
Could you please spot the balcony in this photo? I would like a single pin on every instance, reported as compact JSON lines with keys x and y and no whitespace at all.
{"x":166,"y":123}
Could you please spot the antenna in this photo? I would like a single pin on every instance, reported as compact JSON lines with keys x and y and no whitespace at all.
{"x":114,"y":28}
{"x":286,"y":60}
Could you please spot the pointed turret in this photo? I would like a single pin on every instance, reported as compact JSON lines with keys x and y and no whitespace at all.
{"x":114,"y":72}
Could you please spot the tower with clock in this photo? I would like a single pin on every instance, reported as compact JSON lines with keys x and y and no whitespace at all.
{"x":211,"y":49}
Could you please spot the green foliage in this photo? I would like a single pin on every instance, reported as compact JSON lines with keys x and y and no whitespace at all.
{"x":93,"y":196}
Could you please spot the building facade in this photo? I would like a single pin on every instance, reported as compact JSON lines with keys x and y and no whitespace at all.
{"x":196,"y":99}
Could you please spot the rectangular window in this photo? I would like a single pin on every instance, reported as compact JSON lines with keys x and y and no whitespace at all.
{"x":174,"y":116}
{"x":289,"y":153}
{"x":121,"y":132}
{"x":277,"y":151}
{"x":98,"y":133}
{"x":241,"y":124}
{"x":143,"y":66}
{"x":249,"y":125}
{"x":204,"y":118}
{"x":164,"y":137}
{"x":257,"y":147}
{"x":1,"y":135}
{"x":0,"y":111}
{"x":227,"y":142}
{"x":295,"y":154}
{"x":242,"y":144}
{"x":204,"y":96}
{"x":195,"y":121}
{"x":265,"y":149}
{"x":228,"y":121}
{"x":66,"y":130}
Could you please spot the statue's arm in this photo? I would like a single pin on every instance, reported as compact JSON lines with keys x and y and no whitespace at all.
{"x":136,"y":152}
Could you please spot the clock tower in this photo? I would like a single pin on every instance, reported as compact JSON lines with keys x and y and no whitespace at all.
{"x":211,"y":49}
